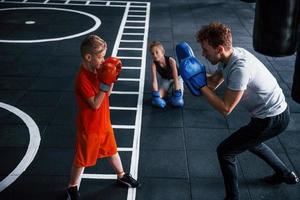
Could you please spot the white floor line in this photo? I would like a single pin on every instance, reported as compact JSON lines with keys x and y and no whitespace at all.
{"x":124,"y":92}
{"x":70,"y":3}
{"x":115,"y":51}
{"x":137,"y":15}
{"x":137,"y":131}
{"x":138,"y":6}
{"x":115,"y":2}
{"x":138,"y":11}
{"x":130,"y":49}
{"x":129,"y":58}
{"x":135,"y":21}
{"x":33,"y":146}
{"x":123,"y":126}
{"x":134,"y":27}
{"x":122,"y":108}
{"x":133,"y":33}
{"x":129,"y":79}
{"x":137,"y":41}
{"x":124,"y":149}
{"x":135,"y":68}
{"x":120,"y":32}
{"x":95,"y":26}
{"x":99,"y":176}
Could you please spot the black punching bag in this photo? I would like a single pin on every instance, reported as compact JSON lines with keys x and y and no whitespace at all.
{"x":275,"y":27}
{"x":296,"y":81}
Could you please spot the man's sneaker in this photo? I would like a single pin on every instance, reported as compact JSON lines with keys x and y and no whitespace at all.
{"x":128,"y":181}
{"x":72,"y":193}
{"x":275,"y":179}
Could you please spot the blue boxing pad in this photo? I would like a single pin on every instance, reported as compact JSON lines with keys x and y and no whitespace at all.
{"x":194,"y":74}
{"x":177,"y":99}
{"x":157,"y":101}
{"x":183,"y":50}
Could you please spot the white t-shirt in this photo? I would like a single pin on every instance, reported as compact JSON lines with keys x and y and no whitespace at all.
{"x":262,"y":95}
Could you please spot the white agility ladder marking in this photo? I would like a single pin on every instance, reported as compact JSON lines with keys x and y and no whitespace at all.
{"x":124,"y":149}
{"x":123,"y":127}
{"x":130,"y":49}
{"x":136,"y":21}
{"x":122,"y":108}
{"x":124,"y":92}
{"x":99,"y":176}
{"x":141,"y":41}
{"x":129,"y":79}
{"x":134,"y":27}
{"x":137,"y":16}
{"x":131,"y":68}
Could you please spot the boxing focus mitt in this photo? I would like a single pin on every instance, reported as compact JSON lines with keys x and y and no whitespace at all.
{"x":192,"y":71}
{"x":183,"y":50}
{"x":194,"y":75}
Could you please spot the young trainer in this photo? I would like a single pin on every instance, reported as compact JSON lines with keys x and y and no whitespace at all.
{"x":249,"y":83}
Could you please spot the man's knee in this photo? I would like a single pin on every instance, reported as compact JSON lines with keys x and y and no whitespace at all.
{"x":225,"y":151}
{"x":221,"y":150}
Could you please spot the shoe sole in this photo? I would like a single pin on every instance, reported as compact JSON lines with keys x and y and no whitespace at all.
{"x":291,"y":182}
{"x":294,"y":181}
{"x":68,"y":196}
{"x":125,"y":183}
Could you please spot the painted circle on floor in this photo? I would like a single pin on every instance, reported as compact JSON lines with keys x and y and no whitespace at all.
{"x":33,"y":146}
{"x":44,"y":24}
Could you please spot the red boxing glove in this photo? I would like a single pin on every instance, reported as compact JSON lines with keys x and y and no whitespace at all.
{"x":117,"y":62}
{"x":109,"y":72}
